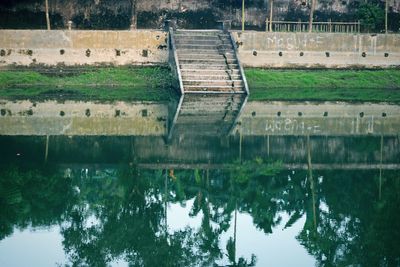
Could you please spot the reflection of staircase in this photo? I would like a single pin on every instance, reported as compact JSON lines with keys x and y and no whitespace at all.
{"x":207,"y":62}
{"x":208,"y":115}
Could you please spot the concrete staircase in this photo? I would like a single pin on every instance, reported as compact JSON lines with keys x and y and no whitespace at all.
{"x":207,"y":62}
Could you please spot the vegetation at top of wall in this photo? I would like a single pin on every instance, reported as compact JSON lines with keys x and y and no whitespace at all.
{"x":325,"y":85}
{"x":107,"y":84}
{"x":109,"y":14}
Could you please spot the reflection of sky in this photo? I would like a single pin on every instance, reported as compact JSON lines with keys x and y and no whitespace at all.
{"x":36,"y":248}
{"x":32,"y":248}
{"x":44,"y":247}
{"x":277,"y":249}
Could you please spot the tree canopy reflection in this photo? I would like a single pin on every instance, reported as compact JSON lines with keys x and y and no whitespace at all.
{"x":109,"y":214}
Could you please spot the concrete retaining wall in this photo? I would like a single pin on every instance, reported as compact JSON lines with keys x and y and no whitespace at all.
{"x":332,"y":50}
{"x":27,"y":47}
{"x":256,"y":49}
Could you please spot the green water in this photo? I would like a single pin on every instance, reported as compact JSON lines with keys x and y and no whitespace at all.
{"x":104,"y":208}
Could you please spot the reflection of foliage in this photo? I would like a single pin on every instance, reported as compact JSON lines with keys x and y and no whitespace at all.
{"x":242,"y":172}
{"x":129,"y":223}
{"x":358,"y":228}
{"x":32,"y":198}
{"x":231,"y":253}
{"x":124,"y":218}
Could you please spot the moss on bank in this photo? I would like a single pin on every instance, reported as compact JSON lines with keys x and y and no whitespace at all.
{"x":157,"y":84}
{"x":104,"y":84}
{"x":325,"y":85}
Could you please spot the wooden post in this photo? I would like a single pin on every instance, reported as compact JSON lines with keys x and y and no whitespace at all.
{"x":311,"y":180}
{"x":46,"y":153}
{"x":47,"y":14}
{"x":380,"y":169}
{"x":133,"y":15}
{"x":310,"y":21}
{"x":243,"y":18}
{"x":240,"y":145}
{"x":271,"y":7}
{"x":386,"y":15}
{"x":266,"y":24}
{"x":166,"y":201}
{"x":330,"y":25}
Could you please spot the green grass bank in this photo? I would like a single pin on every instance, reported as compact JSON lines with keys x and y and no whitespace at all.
{"x":325,"y":85}
{"x":157,"y":84}
{"x":103,"y":84}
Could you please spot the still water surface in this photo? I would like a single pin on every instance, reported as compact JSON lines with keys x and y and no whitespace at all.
{"x":106,"y":207}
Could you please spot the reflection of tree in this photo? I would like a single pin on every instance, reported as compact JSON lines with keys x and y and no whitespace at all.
{"x":128,"y":223}
{"x":358,"y":229}
{"x":260,"y":191}
{"x":32,"y":198}
{"x":124,"y":217}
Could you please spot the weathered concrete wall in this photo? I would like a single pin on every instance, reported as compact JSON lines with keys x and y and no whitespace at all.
{"x":332,"y":50}
{"x":256,"y":49}
{"x":30,"y":47}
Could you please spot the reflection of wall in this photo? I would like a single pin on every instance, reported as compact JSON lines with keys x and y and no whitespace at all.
{"x":343,"y":50}
{"x":288,"y":118}
{"x":25,"y":47}
{"x":257,"y":118}
{"x":153,"y":151}
{"x":82,"y":118}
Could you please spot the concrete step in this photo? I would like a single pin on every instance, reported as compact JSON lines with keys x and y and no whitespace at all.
{"x":202,"y":41}
{"x":210,"y":77}
{"x":180,"y":43}
{"x":198,"y":66}
{"x":204,"y":111}
{"x":225,"y":39}
{"x":213,"y":100}
{"x":210,"y":108}
{"x":213,"y":106}
{"x":188,"y":41}
{"x":215,"y":88}
{"x":199,"y":32}
{"x":188,"y":71}
{"x":184,"y":56}
{"x":208,"y":47}
{"x":220,"y":61}
{"x":204,"y":51}
{"x":233,"y":83}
